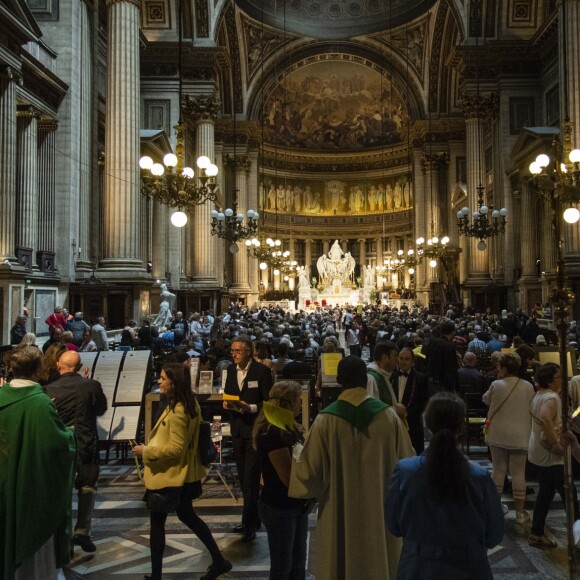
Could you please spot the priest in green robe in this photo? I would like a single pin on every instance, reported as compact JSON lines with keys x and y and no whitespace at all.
{"x":346,"y":464}
{"x":36,"y":475}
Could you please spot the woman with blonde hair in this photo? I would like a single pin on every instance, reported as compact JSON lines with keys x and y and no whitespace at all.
{"x":509,"y":428}
{"x":285,"y":518}
{"x":29,"y":339}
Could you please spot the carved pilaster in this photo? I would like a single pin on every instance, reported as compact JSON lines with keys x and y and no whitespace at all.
{"x":201,"y":107}
{"x":478,"y":106}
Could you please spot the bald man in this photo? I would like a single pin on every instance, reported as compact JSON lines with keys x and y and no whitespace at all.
{"x":470,"y":379}
{"x":79,"y":402}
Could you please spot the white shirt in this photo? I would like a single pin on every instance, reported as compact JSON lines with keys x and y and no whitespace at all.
{"x":241,"y":374}
{"x":401,"y":384}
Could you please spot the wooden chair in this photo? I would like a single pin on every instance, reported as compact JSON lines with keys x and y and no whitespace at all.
{"x":475,"y":417}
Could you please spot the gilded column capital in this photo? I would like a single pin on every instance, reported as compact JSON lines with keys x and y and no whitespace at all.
{"x":27,"y":113}
{"x":478,"y":106}
{"x":201,"y":107}
{"x":48,"y":125}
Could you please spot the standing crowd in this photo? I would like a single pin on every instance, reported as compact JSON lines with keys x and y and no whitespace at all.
{"x":364,"y":462}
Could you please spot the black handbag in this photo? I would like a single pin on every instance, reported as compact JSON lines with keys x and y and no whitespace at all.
{"x":163,"y":500}
{"x":207,"y":450}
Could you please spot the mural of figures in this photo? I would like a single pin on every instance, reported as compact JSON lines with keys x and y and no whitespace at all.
{"x":338,"y":197}
{"x":335,"y":105}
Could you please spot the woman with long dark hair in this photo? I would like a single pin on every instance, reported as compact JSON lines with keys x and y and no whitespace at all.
{"x":172,"y":460}
{"x":446,"y":509}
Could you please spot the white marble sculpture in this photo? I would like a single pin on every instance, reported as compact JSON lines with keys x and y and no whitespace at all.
{"x":369,"y":277}
{"x":336,"y":265}
{"x":303,"y":274}
{"x":164,"y":316}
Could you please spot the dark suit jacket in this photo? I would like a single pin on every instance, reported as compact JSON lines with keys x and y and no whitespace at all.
{"x":442,"y":363}
{"x":242,"y":423}
{"x":415,"y":396}
{"x":471,"y":380}
{"x":79,"y":402}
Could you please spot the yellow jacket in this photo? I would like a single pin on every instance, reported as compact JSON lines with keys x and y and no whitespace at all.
{"x":171,"y":458}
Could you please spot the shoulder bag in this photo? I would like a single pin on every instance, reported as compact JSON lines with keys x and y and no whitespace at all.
{"x":488,"y":420}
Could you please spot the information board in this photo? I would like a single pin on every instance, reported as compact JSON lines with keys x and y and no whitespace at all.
{"x":125,"y":422}
{"x":133,"y":376}
{"x":107,"y":373}
{"x":88,"y":362}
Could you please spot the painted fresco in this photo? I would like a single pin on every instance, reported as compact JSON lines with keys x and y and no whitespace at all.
{"x":337,"y":197}
{"x":334,"y":105}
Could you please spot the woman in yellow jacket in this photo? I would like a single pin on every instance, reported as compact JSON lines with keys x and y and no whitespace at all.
{"x":172,"y":459}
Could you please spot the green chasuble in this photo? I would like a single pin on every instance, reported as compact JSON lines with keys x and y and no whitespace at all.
{"x":360,"y":417}
{"x":36,"y":477}
{"x":384,"y":391}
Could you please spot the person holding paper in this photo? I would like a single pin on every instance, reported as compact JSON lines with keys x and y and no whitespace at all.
{"x":285,"y":518}
{"x":251,"y":382}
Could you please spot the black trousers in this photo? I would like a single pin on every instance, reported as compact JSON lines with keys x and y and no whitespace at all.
{"x":249,"y":475}
{"x":187,"y":516}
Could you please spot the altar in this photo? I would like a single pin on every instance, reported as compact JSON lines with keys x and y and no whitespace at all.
{"x":336,"y":284}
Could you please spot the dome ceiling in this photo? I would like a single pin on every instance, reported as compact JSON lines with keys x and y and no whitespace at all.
{"x":334,"y":19}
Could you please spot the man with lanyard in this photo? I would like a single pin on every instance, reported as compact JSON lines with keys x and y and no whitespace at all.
{"x":379,"y":386}
{"x":346,"y":463}
{"x":251,"y":381}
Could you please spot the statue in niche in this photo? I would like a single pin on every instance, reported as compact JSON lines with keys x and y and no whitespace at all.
{"x":303,"y":275}
{"x":164,"y":316}
{"x":369,"y":277}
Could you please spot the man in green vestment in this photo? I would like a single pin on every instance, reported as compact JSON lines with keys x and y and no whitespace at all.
{"x":346,"y":464}
{"x":37,"y":456}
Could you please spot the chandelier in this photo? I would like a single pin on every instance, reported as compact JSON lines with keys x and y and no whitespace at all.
{"x":229,"y":224}
{"x":171,"y":183}
{"x":559,"y":176}
{"x":481,"y":227}
{"x":268,"y":253}
{"x":434,"y":249}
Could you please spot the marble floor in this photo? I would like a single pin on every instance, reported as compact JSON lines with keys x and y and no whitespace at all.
{"x":121,"y":533}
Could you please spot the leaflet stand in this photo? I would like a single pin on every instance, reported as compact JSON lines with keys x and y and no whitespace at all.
{"x":222,"y":470}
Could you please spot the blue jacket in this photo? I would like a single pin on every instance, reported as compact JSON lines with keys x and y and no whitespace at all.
{"x":443,"y":541}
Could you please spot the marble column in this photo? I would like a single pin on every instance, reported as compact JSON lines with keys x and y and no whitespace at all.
{"x":528,"y":227}
{"x":547,"y":246}
{"x":8,"y":81}
{"x":421,"y":202}
{"x":122,"y":202}
{"x":380,"y":258}
{"x":362,"y":256}
{"x":47,"y":185}
{"x":159,"y":240}
{"x":325,"y":246}
{"x":475,"y":112}
{"x":253,"y":204}
{"x":344,"y":245}
{"x":85,"y":136}
{"x":203,"y":110}
{"x":308,"y":255}
{"x":241,"y":282}
{"x":27,"y":180}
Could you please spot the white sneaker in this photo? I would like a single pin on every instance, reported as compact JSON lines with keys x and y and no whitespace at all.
{"x":522,"y":517}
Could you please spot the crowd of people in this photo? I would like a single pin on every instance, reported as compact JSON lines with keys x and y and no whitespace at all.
{"x":364,"y":451}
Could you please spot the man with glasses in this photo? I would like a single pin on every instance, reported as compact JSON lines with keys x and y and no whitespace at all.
{"x":251,"y":381}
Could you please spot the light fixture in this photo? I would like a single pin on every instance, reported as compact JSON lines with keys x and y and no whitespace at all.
{"x":434,"y":249}
{"x":481,"y":226}
{"x":267,"y":252}
{"x":171,"y":183}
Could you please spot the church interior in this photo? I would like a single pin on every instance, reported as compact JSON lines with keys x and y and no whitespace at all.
{"x":376,"y":124}
{"x":224,"y":150}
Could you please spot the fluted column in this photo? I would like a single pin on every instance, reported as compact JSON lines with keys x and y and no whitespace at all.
{"x":308,"y":254}
{"x":122,"y":203}
{"x":203,"y":110}
{"x":47,"y":185}
{"x":8,"y":81}
{"x":27,"y":179}
{"x":362,"y":255}
{"x":421,"y":202}
{"x":159,"y":241}
{"x":379,"y":242}
{"x":529,"y":229}
{"x":85,"y":154}
{"x":476,"y":110}
{"x":547,"y":246}
{"x":344,"y":245}
{"x":325,"y":246}
{"x":253,"y":204}
{"x":241,"y":280}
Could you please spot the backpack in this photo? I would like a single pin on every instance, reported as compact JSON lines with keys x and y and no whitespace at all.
{"x":207,"y":451}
